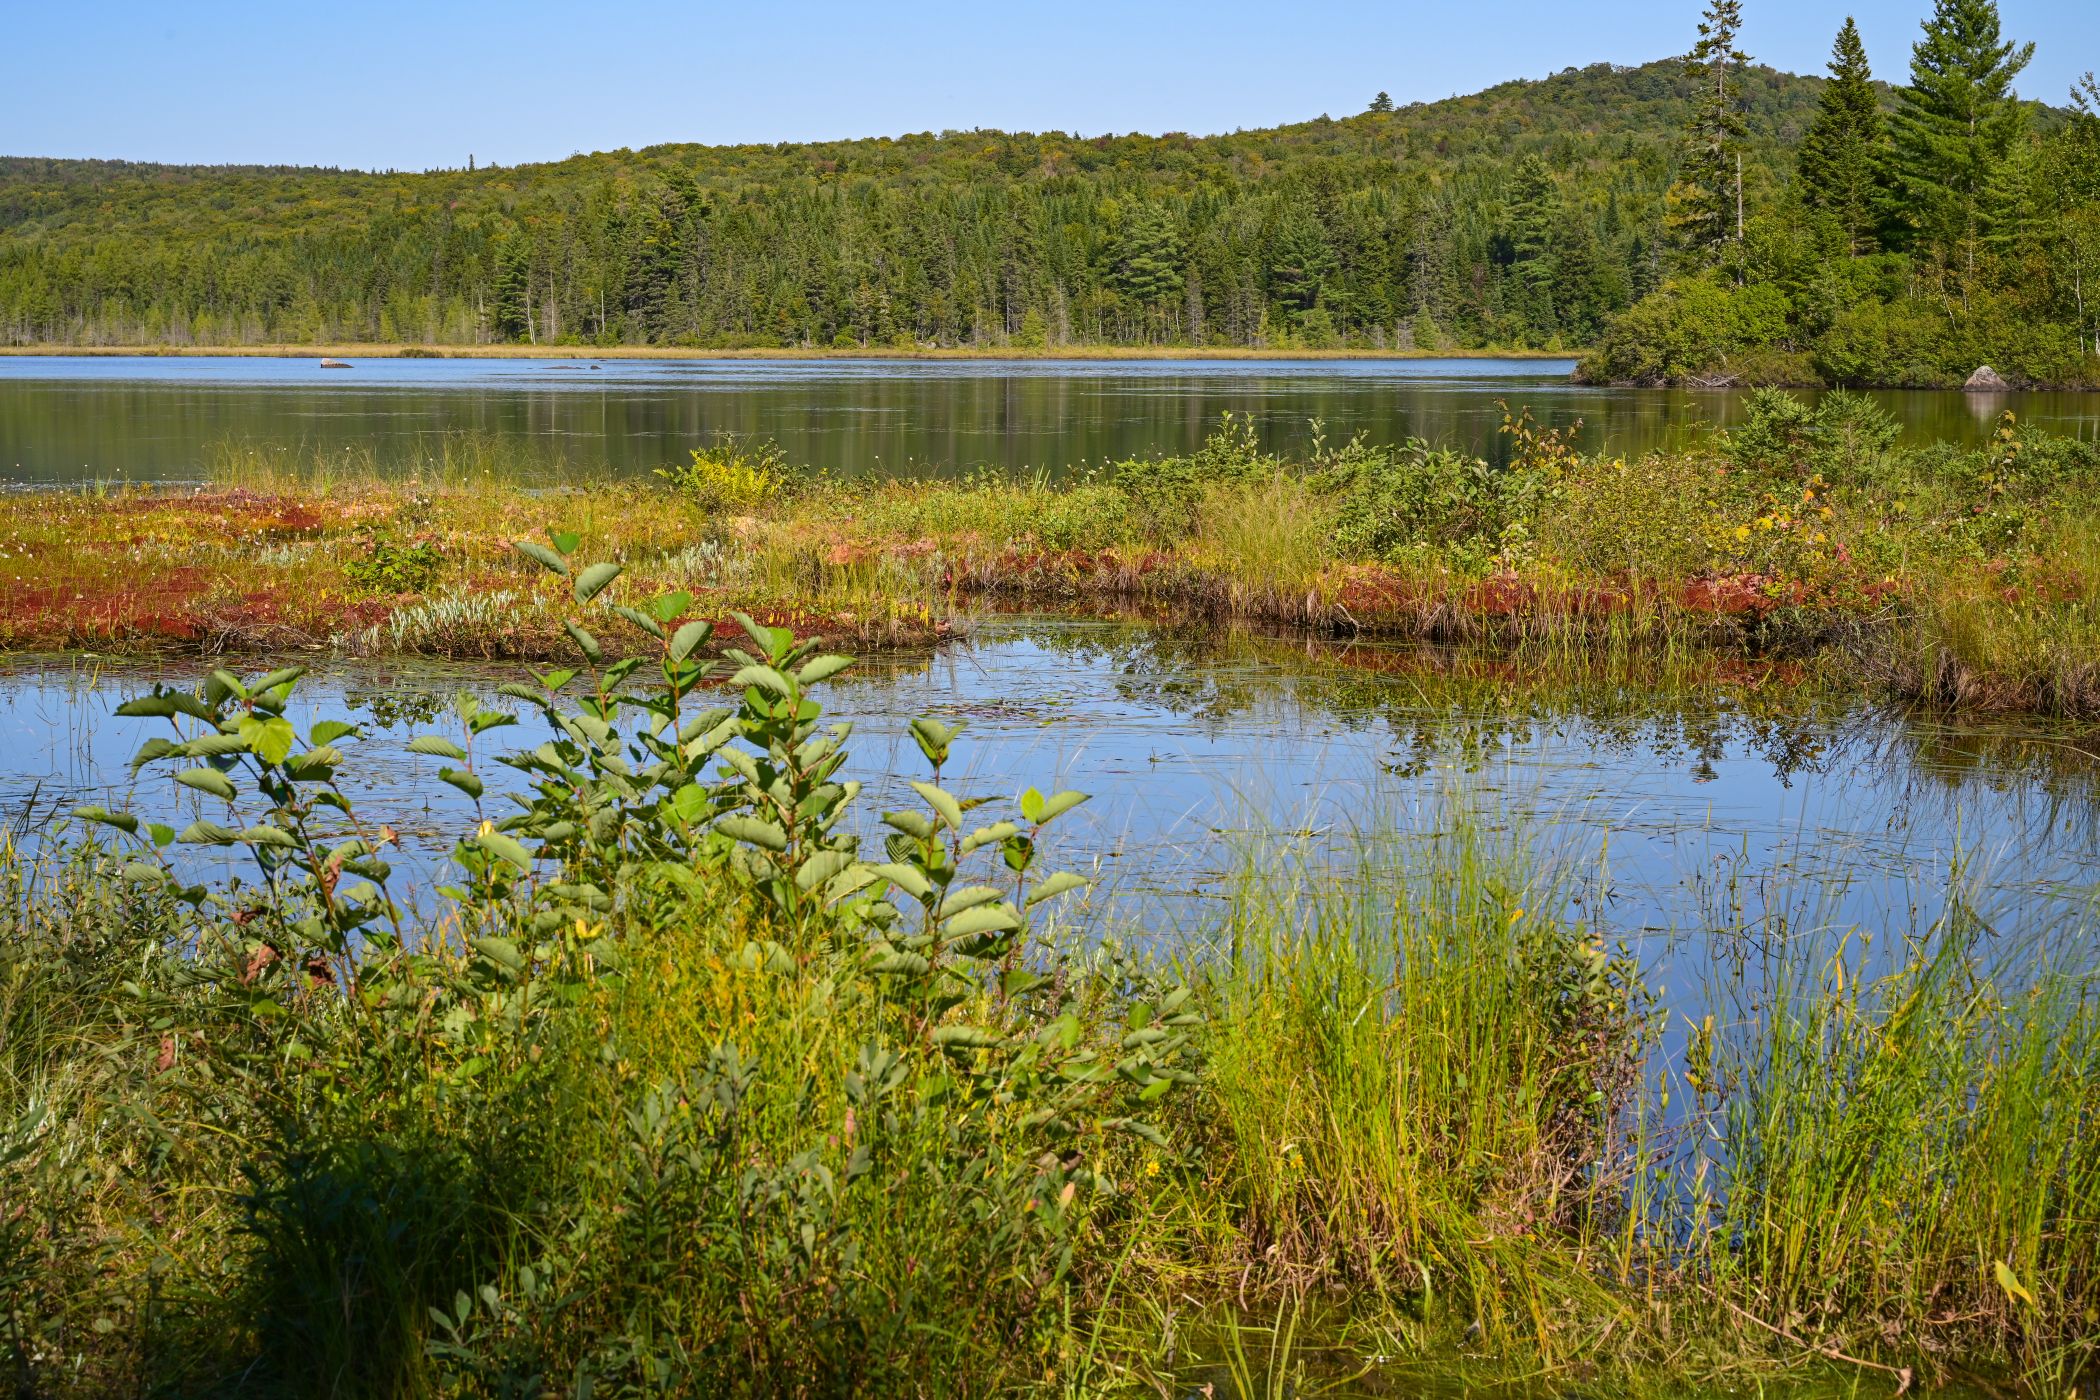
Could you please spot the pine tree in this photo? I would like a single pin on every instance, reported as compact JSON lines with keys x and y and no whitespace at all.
{"x":1381,"y":103}
{"x":1534,"y":212}
{"x":1843,"y":160}
{"x":1957,"y":124}
{"x":1707,"y":203}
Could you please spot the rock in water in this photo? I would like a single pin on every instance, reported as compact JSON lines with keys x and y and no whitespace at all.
{"x":335,"y":364}
{"x":1986,"y":378}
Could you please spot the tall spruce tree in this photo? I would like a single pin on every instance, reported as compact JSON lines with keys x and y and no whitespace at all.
{"x":1706,"y":205}
{"x":1843,"y":160}
{"x":1957,"y":124}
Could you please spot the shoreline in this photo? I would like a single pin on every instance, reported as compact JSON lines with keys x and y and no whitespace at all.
{"x":395,"y":351}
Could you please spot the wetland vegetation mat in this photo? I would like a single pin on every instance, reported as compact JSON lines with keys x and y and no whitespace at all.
{"x":1961,"y":575}
{"x":694,"y":1079}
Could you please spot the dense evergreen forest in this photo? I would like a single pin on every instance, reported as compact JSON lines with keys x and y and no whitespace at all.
{"x":1927,"y":233}
{"x":1526,"y":215}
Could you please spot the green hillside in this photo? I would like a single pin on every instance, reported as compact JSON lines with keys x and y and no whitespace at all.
{"x":1527,"y":215}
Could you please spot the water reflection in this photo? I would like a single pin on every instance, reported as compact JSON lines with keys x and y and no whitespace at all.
{"x":1662,"y":803}
{"x":163,"y":418}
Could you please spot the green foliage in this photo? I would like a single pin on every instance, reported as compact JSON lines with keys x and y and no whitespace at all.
{"x":733,"y":475}
{"x":1989,"y":201}
{"x":1693,"y":329}
{"x":977,"y":1098}
{"x":1957,"y":125}
{"x":1844,"y":155}
{"x":396,"y":568}
{"x":1705,"y":203}
{"x":1373,"y":221}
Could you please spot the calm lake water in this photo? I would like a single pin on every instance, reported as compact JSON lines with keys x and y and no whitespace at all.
{"x":1657,"y":807}
{"x":69,"y":419}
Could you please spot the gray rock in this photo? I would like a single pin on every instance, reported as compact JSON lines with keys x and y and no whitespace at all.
{"x":1986,"y":378}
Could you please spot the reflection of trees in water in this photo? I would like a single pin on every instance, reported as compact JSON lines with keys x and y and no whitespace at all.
{"x":1445,"y":706}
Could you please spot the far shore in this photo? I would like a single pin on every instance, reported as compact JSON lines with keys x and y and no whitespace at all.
{"x":393,"y":351}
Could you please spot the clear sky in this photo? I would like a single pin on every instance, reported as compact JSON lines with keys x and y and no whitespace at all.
{"x":382,"y":84}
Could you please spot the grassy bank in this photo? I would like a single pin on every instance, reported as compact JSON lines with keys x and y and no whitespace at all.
{"x":681,"y":1087}
{"x":1959,"y":576}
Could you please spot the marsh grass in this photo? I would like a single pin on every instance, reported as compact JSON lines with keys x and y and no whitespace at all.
{"x":1436,"y":1116}
{"x":1956,"y":577}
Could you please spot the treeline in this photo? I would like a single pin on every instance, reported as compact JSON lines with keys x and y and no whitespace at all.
{"x":1926,"y":232}
{"x":1526,"y":215}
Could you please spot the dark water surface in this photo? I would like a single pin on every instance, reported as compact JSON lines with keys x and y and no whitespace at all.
{"x":1662,"y":806}
{"x":151,"y":418}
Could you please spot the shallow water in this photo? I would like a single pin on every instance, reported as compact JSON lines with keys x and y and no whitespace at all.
{"x":1657,"y":808}
{"x":164,"y":418}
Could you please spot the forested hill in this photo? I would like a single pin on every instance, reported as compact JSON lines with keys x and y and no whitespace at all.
{"x":1522,"y":215}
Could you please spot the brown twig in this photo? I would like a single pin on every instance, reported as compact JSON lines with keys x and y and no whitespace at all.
{"x":1903,"y":1374}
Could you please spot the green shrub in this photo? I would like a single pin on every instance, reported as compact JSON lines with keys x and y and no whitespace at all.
{"x":393,"y":568}
{"x":733,"y":474}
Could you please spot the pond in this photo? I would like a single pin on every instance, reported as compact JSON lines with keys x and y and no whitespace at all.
{"x":1735,"y":787}
{"x":166,"y":418}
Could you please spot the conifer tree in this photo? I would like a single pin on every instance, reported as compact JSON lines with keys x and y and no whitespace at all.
{"x":1958,"y":120}
{"x":1843,"y":160}
{"x":1381,"y":103}
{"x":1532,"y":217}
{"x":1706,"y":205}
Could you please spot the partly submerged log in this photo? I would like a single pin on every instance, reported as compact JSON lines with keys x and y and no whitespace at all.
{"x":1985,"y":378}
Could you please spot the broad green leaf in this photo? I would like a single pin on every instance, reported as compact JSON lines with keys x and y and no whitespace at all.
{"x":964,"y":1038}
{"x":666,"y":607}
{"x":500,"y":951}
{"x":912,"y":824}
{"x":593,"y":581}
{"x":122,"y":821}
{"x":158,"y":706}
{"x":212,"y":745}
{"x":1051,"y":886}
{"x":968,"y":897}
{"x":821,"y":668}
{"x":271,"y":739}
{"x":330,"y":730}
{"x":209,"y":780}
{"x":905,"y":878}
{"x":640,"y":619}
{"x":1039,"y":809}
{"x":753,"y":830}
{"x":688,"y":639}
{"x":149,"y":751}
{"x":505,"y":848}
{"x":763,"y":678}
{"x":994,"y":918}
{"x":942,"y":802}
{"x":437,"y":747}
{"x":987,"y":835}
{"x":269,"y":836}
{"x":204,"y":833}
{"x":586,"y":643}
{"x":542,"y":555}
{"x":821,"y":868}
{"x":317,"y":764}
{"x":566,"y":540}
{"x":466,"y":782}
{"x":285,"y":676}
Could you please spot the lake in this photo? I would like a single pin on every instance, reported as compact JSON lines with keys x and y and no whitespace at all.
{"x":165,"y":418}
{"x":1814,"y":811}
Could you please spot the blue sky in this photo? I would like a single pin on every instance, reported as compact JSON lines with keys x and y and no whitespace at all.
{"x":381,"y":84}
